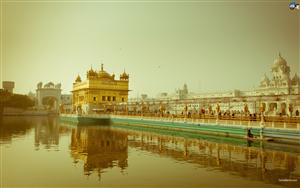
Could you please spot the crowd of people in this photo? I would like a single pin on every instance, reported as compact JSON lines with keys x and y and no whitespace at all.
{"x":213,"y":114}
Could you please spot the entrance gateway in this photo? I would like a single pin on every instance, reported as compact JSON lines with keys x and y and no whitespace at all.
{"x":48,"y":96}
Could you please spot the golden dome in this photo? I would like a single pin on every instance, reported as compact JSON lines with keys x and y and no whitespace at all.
{"x":103,"y":74}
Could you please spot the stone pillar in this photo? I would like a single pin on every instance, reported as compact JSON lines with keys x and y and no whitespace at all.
{"x":278,"y":110}
{"x":267,"y":107}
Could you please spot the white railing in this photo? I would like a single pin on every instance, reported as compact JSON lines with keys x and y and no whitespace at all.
{"x":275,"y":125}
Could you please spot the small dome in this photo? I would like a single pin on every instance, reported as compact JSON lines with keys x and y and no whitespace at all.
{"x":49,"y":85}
{"x":103,"y":74}
{"x":279,"y":61}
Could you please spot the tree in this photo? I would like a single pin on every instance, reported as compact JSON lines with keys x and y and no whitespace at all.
{"x":4,"y":97}
{"x":14,"y":100}
{"x":20,"y":101}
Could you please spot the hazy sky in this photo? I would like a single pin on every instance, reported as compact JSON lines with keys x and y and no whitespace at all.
{"x":210,"y":45}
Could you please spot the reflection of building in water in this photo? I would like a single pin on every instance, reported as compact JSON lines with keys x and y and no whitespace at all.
{"x":249,"y":162}
{"x":48,"y":131}
{"x":99,"y":148}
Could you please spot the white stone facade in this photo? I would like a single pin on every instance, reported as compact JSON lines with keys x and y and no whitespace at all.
{"x":51,"y":91}
{"x":279,"y":94}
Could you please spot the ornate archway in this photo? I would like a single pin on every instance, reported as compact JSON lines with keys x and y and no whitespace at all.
{"x":50,"y":102}
{"x":48,"y":96}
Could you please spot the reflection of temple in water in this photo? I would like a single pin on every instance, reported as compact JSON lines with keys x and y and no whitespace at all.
{"x":249,"y":162}
{"x":47,"y":132}
{"x":99,"y":148}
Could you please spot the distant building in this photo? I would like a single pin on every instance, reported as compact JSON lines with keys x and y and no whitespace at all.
{"x":48,"y":96}
{"x":183,"y":93}
{"x":8,"y":86}
{"x":280,"y":82}
{"x":178,"y":94}
{"x":66,"y":103}
{"x":163,"y":95}
{"x":99,"y":92}
{"x":279,"y":95}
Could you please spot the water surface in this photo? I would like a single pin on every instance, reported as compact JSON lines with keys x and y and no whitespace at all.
{"x":44,"y":152}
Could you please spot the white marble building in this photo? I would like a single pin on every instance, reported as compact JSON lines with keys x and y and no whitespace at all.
{"x":48,"y":95}
{"x":280,"y":82}
{"x":279,"y":94}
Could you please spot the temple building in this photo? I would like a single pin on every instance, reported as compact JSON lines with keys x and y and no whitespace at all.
{"x":99,"y":92}
{"x":279,"y":94}
{"x":280,"y":82}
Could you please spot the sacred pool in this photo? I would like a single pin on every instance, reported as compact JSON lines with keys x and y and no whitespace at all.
{"x":44,"y":152}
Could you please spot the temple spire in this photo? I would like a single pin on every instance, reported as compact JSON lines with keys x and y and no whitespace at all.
{"x":101,"y":66}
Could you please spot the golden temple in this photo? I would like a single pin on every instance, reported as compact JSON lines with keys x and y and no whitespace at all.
{"x":99,"y":92}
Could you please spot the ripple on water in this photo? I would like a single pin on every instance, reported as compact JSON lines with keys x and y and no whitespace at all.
{"x":127,"y":157}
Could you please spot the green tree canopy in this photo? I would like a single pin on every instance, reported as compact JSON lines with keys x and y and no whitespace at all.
{"x":15,"y":100}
